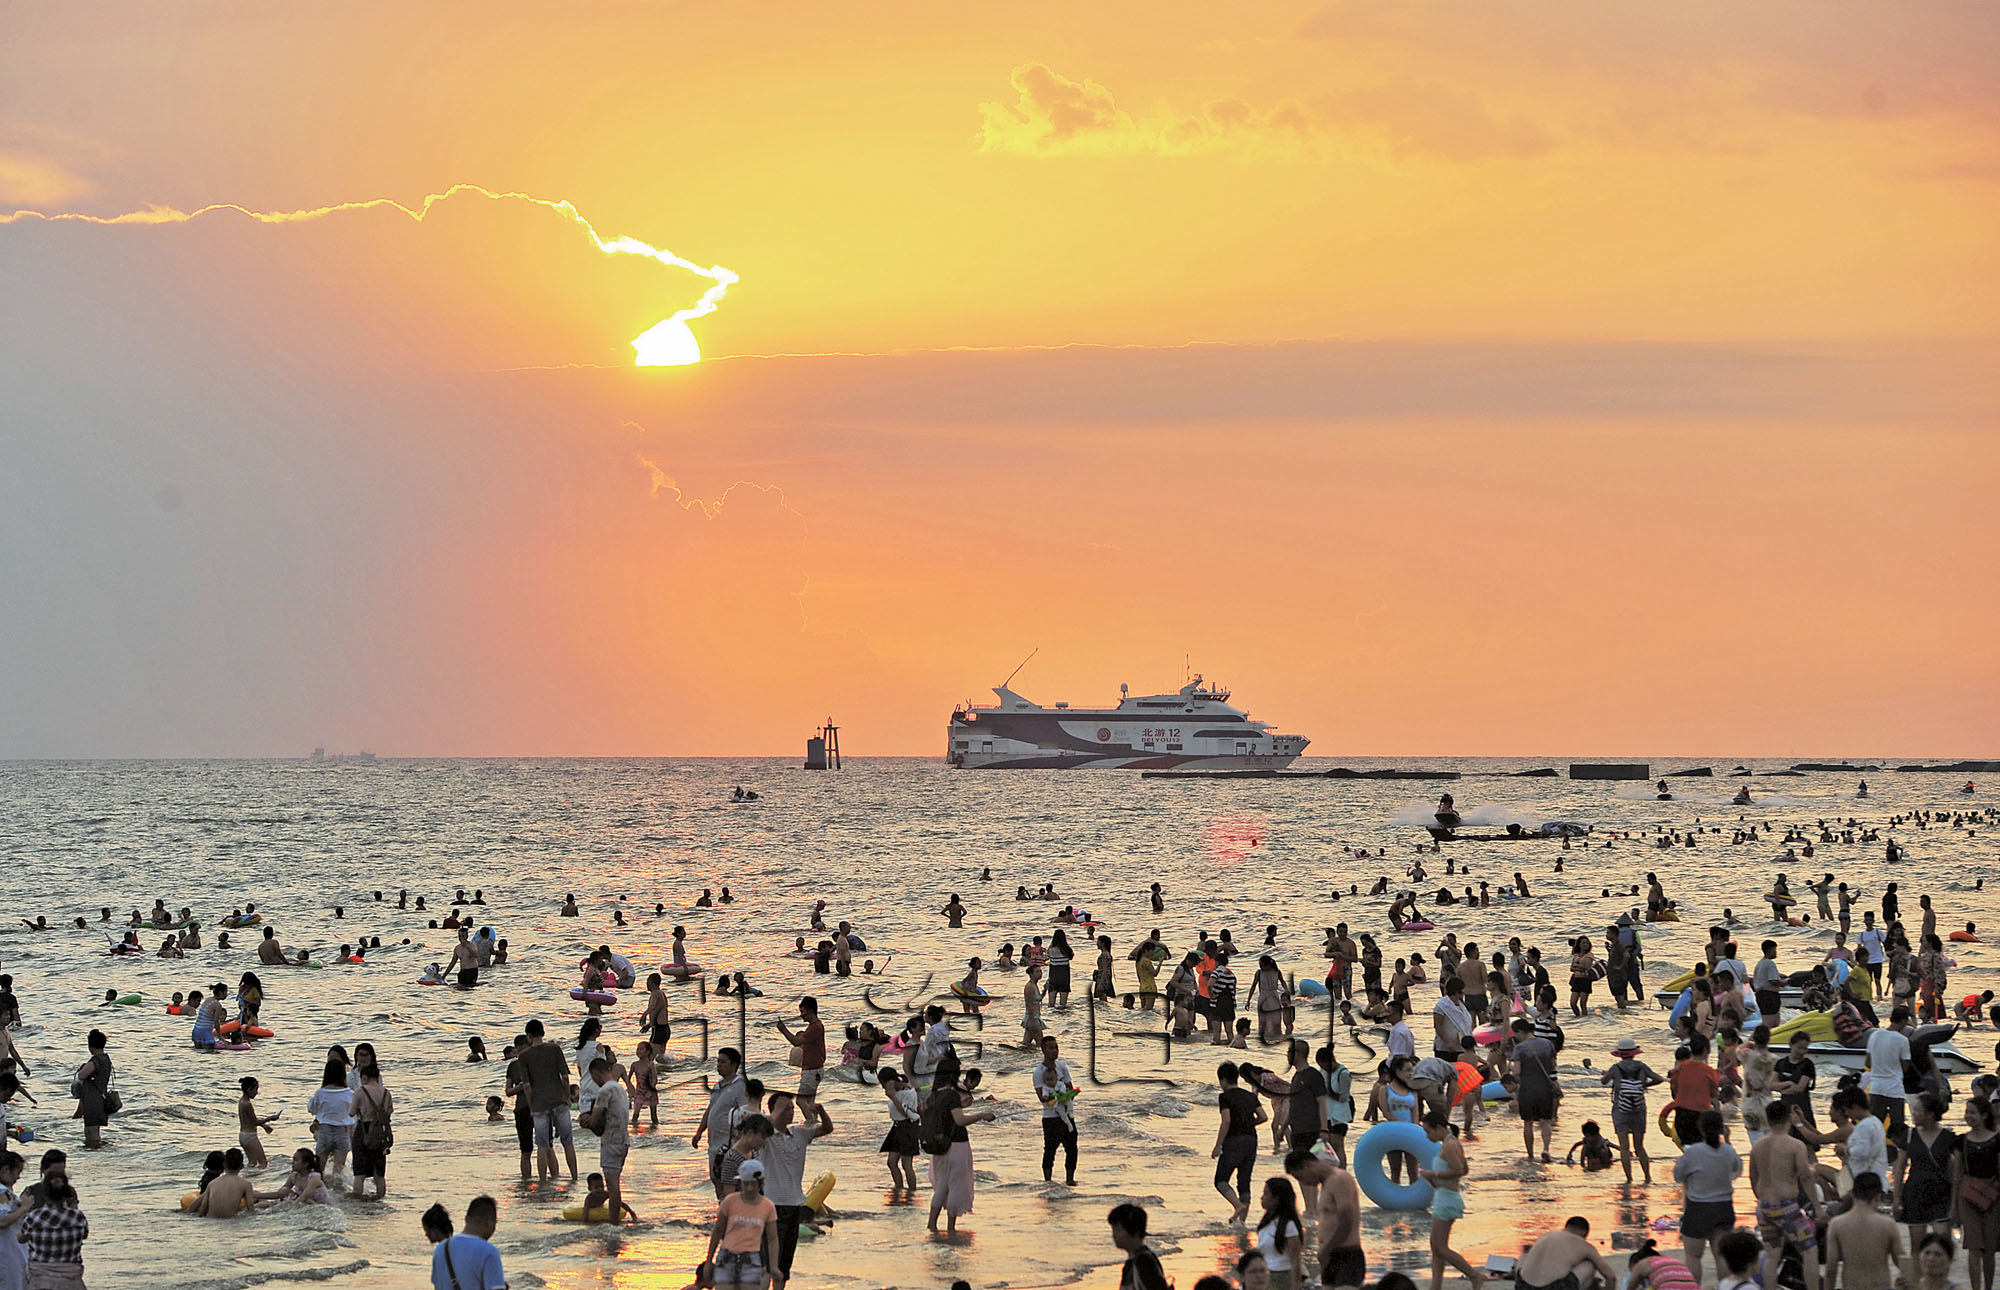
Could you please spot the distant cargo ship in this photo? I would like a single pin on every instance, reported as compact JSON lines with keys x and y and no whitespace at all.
{"x":1194,"y":728}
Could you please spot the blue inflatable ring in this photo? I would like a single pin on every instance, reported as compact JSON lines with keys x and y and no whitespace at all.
{"x":1379,"y":1142}
{"x":1311,"y":989}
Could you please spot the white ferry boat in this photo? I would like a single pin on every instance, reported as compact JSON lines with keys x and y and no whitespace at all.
{"x":1194,"y":728}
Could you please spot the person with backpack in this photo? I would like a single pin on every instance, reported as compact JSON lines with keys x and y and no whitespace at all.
{"x":944,"y":1139}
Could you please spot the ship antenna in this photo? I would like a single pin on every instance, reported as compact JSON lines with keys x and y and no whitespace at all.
{"x":1018,"y":666}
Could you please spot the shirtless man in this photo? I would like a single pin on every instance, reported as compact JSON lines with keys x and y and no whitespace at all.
{"x":656,"y":1021}
{"x":465,"y":959}
{"x":1345,"y":954}
{"x":1781,"y":1172}
{"x":1340,"y":1258}
{"x":1565,"y":1260}
{"x":1864,"y":1239}
{"x":269,"y":952}
{"x":229,"y":1195}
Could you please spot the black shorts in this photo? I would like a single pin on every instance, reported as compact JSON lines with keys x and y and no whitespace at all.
{"x":469,"y":977}
{"x":1344,"y":1268}
{"x":524,"y":1129}
{"x":1239,"y":1157}
{"x":1889,"y":1110}
{"x":661,"y":1034}
{"x":1701,"y":1219}
{"x":1535,"y":1109}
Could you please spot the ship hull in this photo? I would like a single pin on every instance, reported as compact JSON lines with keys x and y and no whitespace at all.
{"x":1072,"y":740}
{"x":1193,"y":729}
{"x":1117,"y":759}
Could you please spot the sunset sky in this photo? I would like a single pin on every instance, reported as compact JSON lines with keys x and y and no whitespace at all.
{"x":1446,"y":376}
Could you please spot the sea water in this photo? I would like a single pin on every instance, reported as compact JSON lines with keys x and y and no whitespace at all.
{"x":885,"y":843}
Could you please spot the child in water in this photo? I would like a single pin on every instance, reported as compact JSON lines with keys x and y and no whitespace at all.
{"x":1596,"y":1148}
{"x":304,"y":1184}
{"x":598,"y":1197}
{"x":250,"y":1125}
{"x":901,"y":1144}
{"x":645,"y":1084}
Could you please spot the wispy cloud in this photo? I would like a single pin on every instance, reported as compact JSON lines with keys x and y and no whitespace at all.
{"x":1056,"y":115}
{"x":31,"y":179}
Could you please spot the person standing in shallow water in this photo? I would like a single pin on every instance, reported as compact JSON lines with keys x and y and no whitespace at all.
{"x":952,"y":1111}
{"x":954,"y":911}
{"x":1059,"y":958}
{"x":1447,"y":1203}
{"x":93,"y":1079}
{"x":1055,"y":1088}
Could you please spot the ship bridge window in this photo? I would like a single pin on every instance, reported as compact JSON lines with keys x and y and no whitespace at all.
{"x":1159,"y":703}
{"x":1217,"y":734}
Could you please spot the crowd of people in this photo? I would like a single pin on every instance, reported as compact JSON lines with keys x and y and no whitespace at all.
{"x":1857,"y":1168}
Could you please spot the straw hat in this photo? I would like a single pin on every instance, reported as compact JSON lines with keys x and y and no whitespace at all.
{"x":1627,"y":1047}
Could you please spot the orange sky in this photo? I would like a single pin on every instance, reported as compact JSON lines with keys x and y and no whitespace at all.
{"x":1448,"y":378}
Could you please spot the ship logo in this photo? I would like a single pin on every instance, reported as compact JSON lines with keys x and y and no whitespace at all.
{"x":1104,"y":734}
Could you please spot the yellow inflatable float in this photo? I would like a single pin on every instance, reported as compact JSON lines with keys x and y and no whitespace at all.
{"x":1681,"y":982}
{"x":575,"y":1214}
{"x":1817,"y":1025}
{"x":822,"y":1187}
{"x":1667,"y":1123}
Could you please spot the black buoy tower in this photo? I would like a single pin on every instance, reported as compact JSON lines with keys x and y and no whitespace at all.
{"x":823,"y":749}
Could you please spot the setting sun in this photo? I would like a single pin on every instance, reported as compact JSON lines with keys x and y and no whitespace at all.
{"x":669,"y":344}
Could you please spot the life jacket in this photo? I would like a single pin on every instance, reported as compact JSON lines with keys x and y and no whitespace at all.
{"x":1848,"y":1026}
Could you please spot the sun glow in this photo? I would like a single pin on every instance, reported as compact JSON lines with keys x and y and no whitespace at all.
{"x":668,"y":343}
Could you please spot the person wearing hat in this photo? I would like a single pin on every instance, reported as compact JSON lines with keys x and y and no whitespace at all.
{"x":1629,"y":1079}
{"x":746,"y":1233}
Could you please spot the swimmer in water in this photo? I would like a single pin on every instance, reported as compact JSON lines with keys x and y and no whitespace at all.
{"x":954,"y":911}
{"x":707,"y":900}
